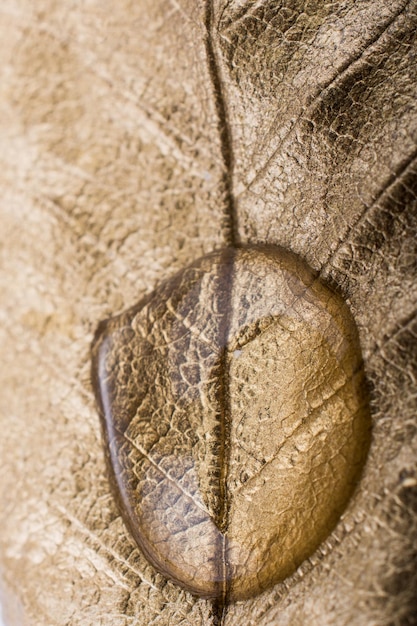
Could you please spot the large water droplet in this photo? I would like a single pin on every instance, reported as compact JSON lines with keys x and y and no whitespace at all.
{"x":235,"y":417}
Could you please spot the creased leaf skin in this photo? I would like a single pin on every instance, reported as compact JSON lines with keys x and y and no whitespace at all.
{"x":123,"y":150}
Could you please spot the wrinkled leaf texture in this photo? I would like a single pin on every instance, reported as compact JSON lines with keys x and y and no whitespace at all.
{"x":140,"y":135}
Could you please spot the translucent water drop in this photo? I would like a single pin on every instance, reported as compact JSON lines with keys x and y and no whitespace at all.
{"x":235,"y":417}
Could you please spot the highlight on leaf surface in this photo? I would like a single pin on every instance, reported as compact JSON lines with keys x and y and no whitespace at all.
{"x":235,"y":419}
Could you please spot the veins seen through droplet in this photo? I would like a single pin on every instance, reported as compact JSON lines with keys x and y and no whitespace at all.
{"x":235,"y":417}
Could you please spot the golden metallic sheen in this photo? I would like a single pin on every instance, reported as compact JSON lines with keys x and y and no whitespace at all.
{"x":235,"y":416}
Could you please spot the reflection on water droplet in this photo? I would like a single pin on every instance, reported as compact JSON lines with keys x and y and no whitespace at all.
{"x":236,"y":419}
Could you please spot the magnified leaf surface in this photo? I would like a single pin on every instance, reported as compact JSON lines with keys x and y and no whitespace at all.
{"x":235,"y":417}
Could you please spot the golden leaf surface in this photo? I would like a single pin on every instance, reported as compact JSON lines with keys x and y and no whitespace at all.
{"x":136,"y":137}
